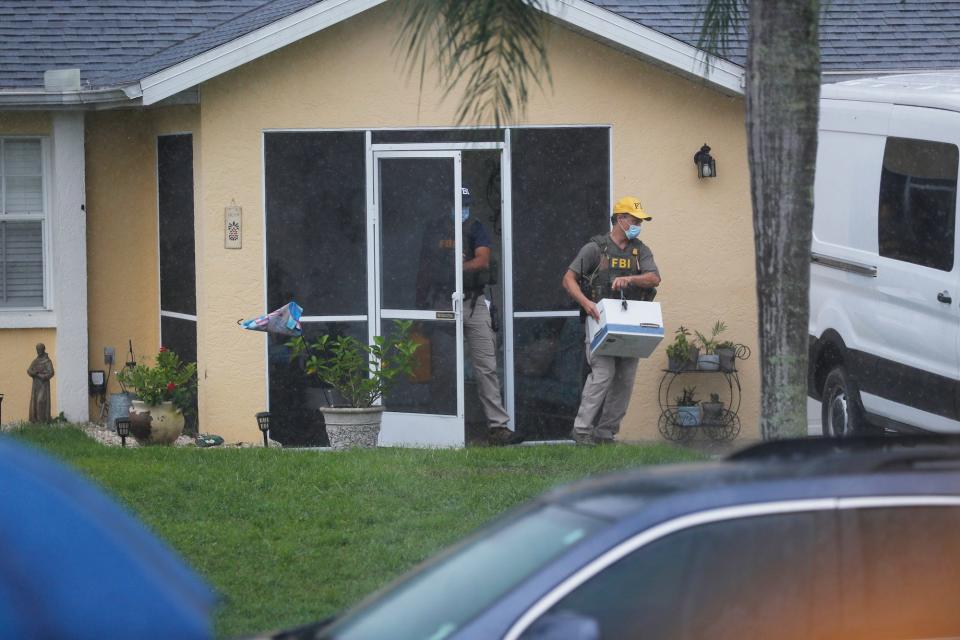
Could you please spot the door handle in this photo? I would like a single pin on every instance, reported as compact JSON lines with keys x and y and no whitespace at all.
{"x":944,"y":297}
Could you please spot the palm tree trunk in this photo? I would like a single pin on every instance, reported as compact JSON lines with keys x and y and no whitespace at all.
{"x":783,"y":88}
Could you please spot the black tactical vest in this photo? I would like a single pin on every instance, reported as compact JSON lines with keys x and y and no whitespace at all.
{"x":614,"y":263}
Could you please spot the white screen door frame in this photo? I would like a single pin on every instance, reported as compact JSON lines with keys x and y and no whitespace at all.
{"x":402,"y":428}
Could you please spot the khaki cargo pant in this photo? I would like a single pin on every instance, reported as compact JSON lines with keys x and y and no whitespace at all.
{"x":606,"y":394}
{"x":482,"y":351}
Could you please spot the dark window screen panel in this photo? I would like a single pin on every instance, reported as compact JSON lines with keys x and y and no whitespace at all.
{"x":316,"y":221}
{"x":178,"y":290}
{"x":180,"y":336}
{"x":437,"y":135}
{"x":418,"y":267}
{"x":295,"y":398}
{"x":549,"y":371}
{"x":561,"y":197}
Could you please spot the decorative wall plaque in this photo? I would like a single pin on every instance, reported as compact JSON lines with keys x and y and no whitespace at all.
{"x":233,"y":227}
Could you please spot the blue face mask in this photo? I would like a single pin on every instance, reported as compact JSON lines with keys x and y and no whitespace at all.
{"x":632,"y":231}
{"x":465,"y":213}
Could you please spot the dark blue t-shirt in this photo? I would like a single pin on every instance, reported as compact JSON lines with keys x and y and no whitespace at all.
{"x":476,"y":236}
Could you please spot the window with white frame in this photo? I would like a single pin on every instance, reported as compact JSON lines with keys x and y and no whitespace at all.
{"x":22,"y":218}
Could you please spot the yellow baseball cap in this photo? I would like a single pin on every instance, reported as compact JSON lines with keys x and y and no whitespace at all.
{"x":632,"y":206}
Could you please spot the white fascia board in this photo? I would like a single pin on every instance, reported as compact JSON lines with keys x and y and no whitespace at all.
{"x":647,"y":43}
{"x":249,"y":47}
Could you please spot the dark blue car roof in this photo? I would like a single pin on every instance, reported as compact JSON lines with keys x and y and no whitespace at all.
{"x":784,"y":470}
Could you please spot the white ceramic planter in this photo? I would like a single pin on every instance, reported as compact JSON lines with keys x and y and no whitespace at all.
{"x":349,"y":427}
{"x":689,"y":416}
{"x":155,"y":424}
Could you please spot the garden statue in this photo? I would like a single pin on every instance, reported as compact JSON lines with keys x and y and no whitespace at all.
{"x":41,"y":370}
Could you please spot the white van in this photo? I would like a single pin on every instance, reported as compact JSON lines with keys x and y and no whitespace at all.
{"x":885,"y":273}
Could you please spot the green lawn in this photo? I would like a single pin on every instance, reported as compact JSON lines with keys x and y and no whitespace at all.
{"x":288,"y":537}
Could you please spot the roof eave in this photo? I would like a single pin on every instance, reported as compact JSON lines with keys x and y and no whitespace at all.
{"x":41,"y":99}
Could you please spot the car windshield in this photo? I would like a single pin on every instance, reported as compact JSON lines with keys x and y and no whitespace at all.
{"x":436,"y":602}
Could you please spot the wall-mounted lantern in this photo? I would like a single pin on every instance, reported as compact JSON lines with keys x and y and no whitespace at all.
{"x":706,"y":165}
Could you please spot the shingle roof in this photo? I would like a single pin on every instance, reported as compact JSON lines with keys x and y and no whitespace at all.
{"x":117,"y":42}
{"x":855,"y":35}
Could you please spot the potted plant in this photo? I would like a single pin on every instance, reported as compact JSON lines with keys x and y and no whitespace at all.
{"x":361,"y":374}
{"x":727,"y":352}
{"x":689,"y":412}
{"x":709,"y":360}
{"x":163,"y":393}
{"x":713,"y":410}
{"x":681,"y":353}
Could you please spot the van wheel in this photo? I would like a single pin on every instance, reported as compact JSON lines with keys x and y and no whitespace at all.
{"x":841,"y":412}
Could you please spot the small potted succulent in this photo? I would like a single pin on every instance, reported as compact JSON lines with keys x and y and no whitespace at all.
{"x":682,"y":353}
{"x":709,"y":360}
{"x":163,"y":393}
{"x":361,"y":374}
{"x":712,"y":410}
{"x":689,"y":412}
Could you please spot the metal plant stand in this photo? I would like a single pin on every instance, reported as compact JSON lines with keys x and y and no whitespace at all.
{"x":726,"y":426}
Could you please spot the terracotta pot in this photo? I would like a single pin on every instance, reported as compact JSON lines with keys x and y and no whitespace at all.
{"x":349,"y":427}
{"x":155,"y":424}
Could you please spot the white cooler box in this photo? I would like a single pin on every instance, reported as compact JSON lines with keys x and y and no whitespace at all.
{"x":632,"y":332}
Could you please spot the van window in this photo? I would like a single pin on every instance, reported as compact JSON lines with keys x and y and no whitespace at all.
{"x":918,"y":195}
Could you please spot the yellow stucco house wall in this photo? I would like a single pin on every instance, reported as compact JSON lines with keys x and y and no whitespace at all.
{"x":349,"y":76}
{"x":17,"y":345}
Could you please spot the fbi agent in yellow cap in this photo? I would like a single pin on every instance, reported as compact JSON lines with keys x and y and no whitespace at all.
{"x":610,"y":265}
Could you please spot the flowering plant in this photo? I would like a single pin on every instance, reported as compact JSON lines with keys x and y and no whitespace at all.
{"x":169,"y":380}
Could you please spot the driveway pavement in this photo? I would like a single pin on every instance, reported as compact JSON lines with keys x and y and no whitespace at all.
{"x":814,"y":426}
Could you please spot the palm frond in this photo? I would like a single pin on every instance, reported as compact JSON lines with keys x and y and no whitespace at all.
{"x":495,"y":49}
{"x":719,"y":20}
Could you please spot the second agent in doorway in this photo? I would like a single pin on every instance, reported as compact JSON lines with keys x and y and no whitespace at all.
{"x":477,"y":327}
{"x":610,"y":264}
